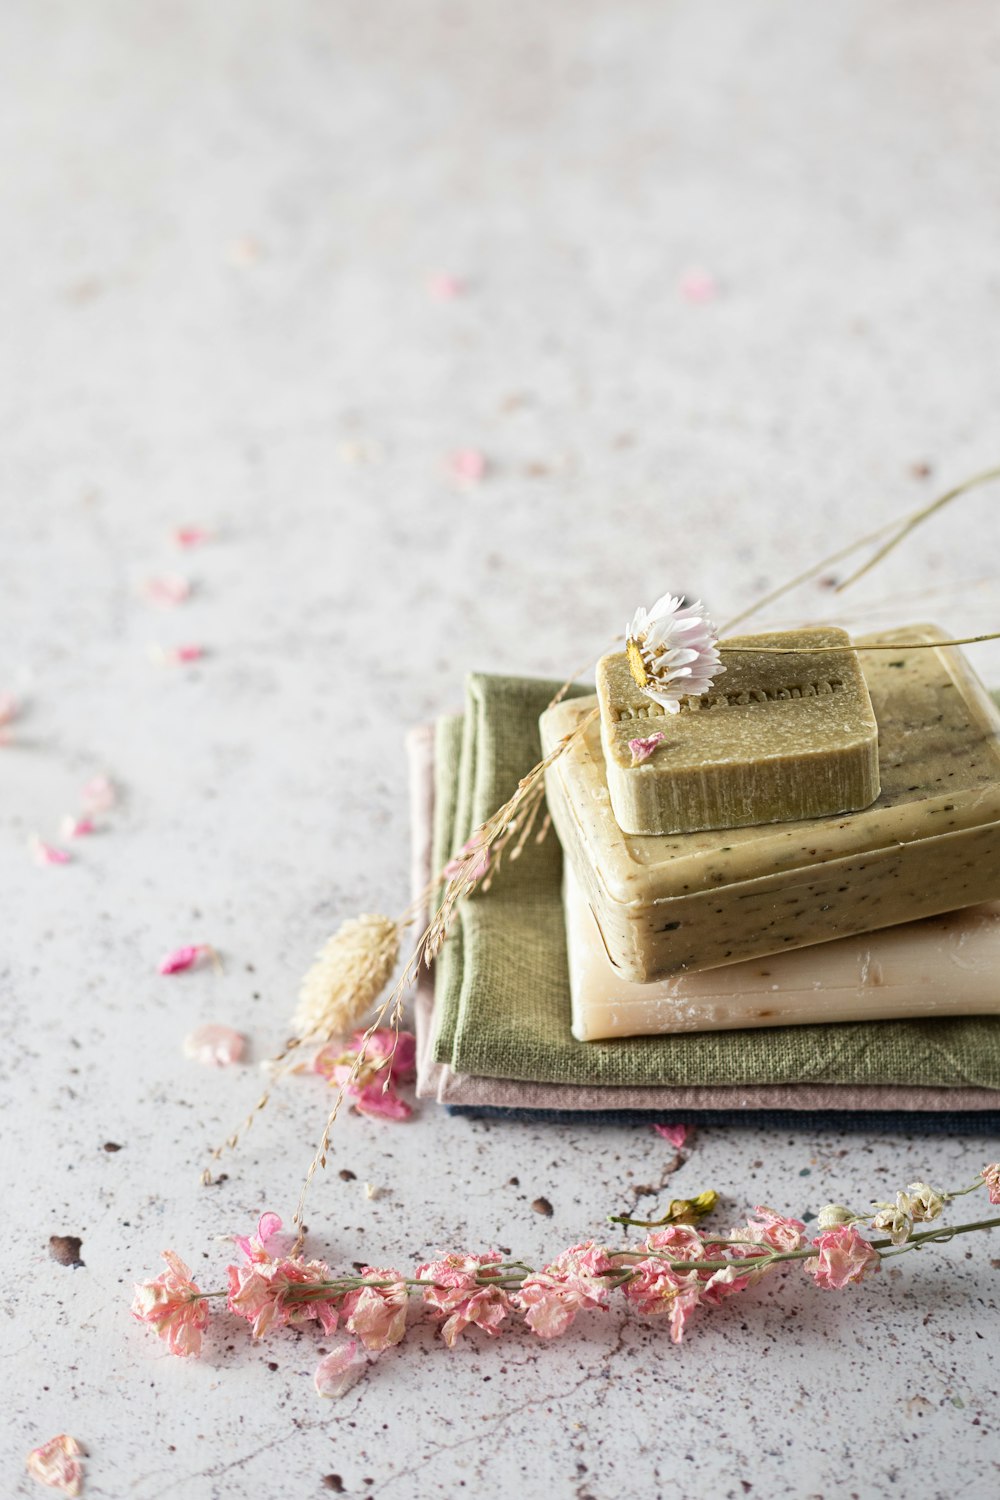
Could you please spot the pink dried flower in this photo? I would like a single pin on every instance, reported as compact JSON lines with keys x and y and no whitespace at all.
{"x":658,"y":1291}
{"x":184,"y":958}
{"x":773,"y":1229}
{"x":215,"y":1046}
{"x":341,"y":1369}
{"x":642,"y":749}
{"x":675,"y":1134}
{"x":377,"y":1314}
{"x":169,"y":589}
{"x":468,"y":465}
{"x":573,"y":1282}
{"x":99,"y":794}
{"x":183,"y":655}
{"x":57,"y":1464}
{"x":191,"y":536}
{"x":254,"y":1246}
{"x":445,"y":288}
{"x":76,"y":828}
{"x":278,"y":1293}
{"x":459,"y":863}
{"x":991,"y":1177}
{"x":389,"y":1059}
{"x":49,"y":854}
{"x":460,"y":1298}
{"x":173,"y":1306}
{"x":844,"y":1256}
{"x":697,"y":285}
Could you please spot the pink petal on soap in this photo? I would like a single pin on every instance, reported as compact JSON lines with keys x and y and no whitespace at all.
{"x":48,"y":854}
{"x":445,"y":288}
{"x":169,"y":589}
{"x":99,"y":794}
{"x":57,"y":1464}
{"x":215,"y":1046}
{"x":76,"y":828}
{"x":183,"y":958}
{"x":675,"y":1134}
{"x":643,"y":749}
{"x":191,"y":536}
{"x":341,"y":1369}
{"x":698,"y":286}
{"x":468,"y":464}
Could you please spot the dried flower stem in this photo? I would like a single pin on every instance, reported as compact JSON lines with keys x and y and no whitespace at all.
{"x":964,"y":640}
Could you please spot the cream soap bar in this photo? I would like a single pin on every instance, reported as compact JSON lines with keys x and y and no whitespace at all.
{"x":777,"y":739}
{"x":930,"y":843}
{"x":941,"y":966}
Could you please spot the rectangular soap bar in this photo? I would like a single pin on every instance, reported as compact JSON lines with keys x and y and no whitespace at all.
{"x":940,"y":966}
{"x":930,"y":843}
{"x":776,"y":739}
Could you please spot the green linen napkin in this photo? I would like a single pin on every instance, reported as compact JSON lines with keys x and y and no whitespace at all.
{"x":502,"y":988}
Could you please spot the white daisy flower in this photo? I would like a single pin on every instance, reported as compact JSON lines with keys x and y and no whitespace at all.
{"x":672,"y":651}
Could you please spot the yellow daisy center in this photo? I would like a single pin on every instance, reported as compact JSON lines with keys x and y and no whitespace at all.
{"x":635,"y":664}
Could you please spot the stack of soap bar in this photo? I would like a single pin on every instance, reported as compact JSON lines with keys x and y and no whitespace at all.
{"x":941,"y":966}
{"x":930,"y":843}
{"x":777,"y":739}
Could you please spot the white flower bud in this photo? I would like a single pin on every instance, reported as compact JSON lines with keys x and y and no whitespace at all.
{"x":923,"y":1202}
{"x":833,"y":1214}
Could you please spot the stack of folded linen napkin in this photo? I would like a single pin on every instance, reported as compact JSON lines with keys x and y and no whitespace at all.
{"x":494,"y":1026}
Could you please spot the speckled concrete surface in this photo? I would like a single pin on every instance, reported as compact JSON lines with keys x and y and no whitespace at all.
{"x":219,"y":223}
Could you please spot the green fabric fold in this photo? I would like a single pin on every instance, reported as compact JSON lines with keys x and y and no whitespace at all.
{"x":501,"y":981}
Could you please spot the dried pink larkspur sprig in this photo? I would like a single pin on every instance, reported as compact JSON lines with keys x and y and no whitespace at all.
{"x":172,"y":1305}
{"x":845,"y":1256}
{"x":991,"y":1177}
{"x":675,"y":1134}
{"x":656,"y":1290}
{"x":389,"y":1059}
{"x":180,"y":959}
{"x":341,"y":1369}
{"x":377,"y":1314}
{"x":57,"y":1464}
{"x":642,"y":749}
{"x":460,"y":1299}
{"x":281,"y":1293}
{"x":551,"y":1298}
{"x":214,"y":1045}
{"x":775,"y":1230}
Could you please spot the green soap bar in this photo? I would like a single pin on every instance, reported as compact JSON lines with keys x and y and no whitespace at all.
{"x":777,"y":738}
{"x":930,"y":843}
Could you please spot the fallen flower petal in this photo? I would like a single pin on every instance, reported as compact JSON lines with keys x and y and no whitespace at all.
{"x":173,"y":1306}
{"x":468,"y":464}
{"x":184,"y":958}
{"x":49,"y":854}
{"x":643,"y":749}
{"x":340,"y":1370}
{"x":183,"y":655}
{"x":191,"y":536}
{"x":99,"y":794}
{"x":57,"y":1464}
{"x":215,"y":1046}
{"x":675,"y":1134}
{"x":445,"y":288}
{"x":8,"y":708}
{"x":169,"y":589}
{"x":76,"y":828}
{"x":698,"y":286}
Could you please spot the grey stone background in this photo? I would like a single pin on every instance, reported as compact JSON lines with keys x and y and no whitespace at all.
{"x":219,"y":221}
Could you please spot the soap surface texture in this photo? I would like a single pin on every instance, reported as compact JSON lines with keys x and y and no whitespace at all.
{"x":778,"y":738}
{"x":929,"y":843}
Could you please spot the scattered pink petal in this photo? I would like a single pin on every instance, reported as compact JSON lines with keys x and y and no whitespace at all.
{"x":8,"y":708}
{"x":99,"y":794}
{"x":181,"y":655}
{"x":49,"y":854}
{"x":340,"y":1370}
{"x":183,"y":958}
{"x":445,"y":288}
{"x":57,"y":1464}
{"x":468,"y":464}
{"x":675,"y":1134}
{"x":216,"y":1046}
{"x":643,"y":749}
{"x":76,"y":828}
{"x":698,"y":286}
{"x":389,"y":1059}
{"x":191,"y":536}
{"x":169,"y":589}
{"x":173,"y":1306}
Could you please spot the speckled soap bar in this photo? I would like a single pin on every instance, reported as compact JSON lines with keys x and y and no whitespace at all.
{"x":940,"y":966}
{"x":778,"y":738}
{"x":930,"y":843}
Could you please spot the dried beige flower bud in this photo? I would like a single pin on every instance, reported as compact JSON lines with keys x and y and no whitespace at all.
{"x":894,"y":1220}
{"x":923,"y":1202}
{"x":833,"y":1214}
{"x":351,"y":971}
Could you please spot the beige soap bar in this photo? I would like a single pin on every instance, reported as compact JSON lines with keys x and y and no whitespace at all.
{"x":941,"y":966}
{"x":776,"y":739}
{"x":930,"y":843}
